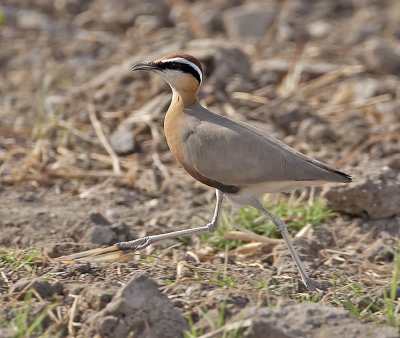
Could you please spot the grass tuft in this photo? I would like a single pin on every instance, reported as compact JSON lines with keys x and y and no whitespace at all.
{"x":15,"y":260}
{"x":295,"y":216}
{"x":24,"y":324}
{"x":391,"y":299}
{"x":213,"y":323}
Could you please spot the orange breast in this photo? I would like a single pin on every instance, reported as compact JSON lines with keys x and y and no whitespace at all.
{"x":174,"y":131}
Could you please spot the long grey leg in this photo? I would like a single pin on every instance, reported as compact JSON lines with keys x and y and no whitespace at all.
{"x":308,"y":281}
{"x":141,"y":243}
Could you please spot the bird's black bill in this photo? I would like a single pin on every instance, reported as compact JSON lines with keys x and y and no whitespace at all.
{"x":144,"y":66}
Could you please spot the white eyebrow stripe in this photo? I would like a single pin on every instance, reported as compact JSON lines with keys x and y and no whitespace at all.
{"x":183,"y":60}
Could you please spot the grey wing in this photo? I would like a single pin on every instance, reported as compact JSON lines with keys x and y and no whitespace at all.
{"x":235,"y":154}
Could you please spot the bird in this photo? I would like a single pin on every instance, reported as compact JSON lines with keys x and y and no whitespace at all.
{"x":242,"y":163}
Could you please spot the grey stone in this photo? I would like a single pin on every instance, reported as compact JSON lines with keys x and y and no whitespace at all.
{"x":122,"y":232}
{"x":381,"y":56}
{"x":139,"y":310}
{"x":122,"y":141}
{"x":250,"y":21}
{"x":374,"y":192}
{"x":99,"y":234}
{"x":97,"y":298}
{"x":44,"y":288}
{"x":98,"y":219}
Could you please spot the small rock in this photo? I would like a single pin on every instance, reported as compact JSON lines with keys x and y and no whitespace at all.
{"x":98,"y":219}
{"x":381,"y":56}
{"x":97,"y":298}
{"x":122,"y":141}
{"x":140,"y":310}
{"x":122,"y":232}
{"x":82,"y":267}
{"x":249,"y":21}
{"x":99,"y":234}
{"x":375,"y":193}
{"x":44,"y":288}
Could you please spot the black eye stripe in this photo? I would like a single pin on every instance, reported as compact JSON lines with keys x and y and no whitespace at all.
{"x":183,"y":67}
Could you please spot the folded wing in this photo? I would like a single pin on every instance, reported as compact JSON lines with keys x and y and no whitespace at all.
{"x":237,"y":154}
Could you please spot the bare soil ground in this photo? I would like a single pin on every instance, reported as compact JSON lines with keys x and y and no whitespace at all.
{"x":321,"y":75}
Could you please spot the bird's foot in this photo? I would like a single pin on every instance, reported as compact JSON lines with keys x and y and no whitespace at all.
{"x":212,"y":226}
{"x":116,"y":252}
{"x":134,"y":245}
{"x":311,"y":284}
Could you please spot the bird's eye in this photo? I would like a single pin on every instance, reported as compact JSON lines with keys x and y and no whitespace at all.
{"x":176,"y":65}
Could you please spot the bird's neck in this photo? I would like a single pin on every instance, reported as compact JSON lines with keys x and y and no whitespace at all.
{"x":174,"y":122}
{"x":183,"y":98}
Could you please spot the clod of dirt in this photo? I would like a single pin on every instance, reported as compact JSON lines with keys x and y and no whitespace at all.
{"x":98,"y":219}
{"x":97,"y":298}
{"x":138,"y":309}
{"x":310,"y":320}
{"x":103,"y":233}
{"x":250,"y":21}
{"x":122,"y":232}
{"x":99,"y":234}
{"x":376,"y":193}
{"x":44,"y":288}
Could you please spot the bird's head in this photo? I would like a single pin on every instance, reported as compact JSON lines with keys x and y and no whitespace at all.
{"x":182,"y":72}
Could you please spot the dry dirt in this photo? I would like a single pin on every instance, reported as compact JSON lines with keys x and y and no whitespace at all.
{"x":321,"y":75}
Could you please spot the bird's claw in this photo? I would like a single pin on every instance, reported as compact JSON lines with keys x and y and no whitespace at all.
{"x":311,"y":284}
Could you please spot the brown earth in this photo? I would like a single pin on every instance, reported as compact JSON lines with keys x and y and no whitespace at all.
{"x":321,"y":75}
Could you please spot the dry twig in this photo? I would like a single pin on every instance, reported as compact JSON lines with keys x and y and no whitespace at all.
{"x":103,"y":139}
